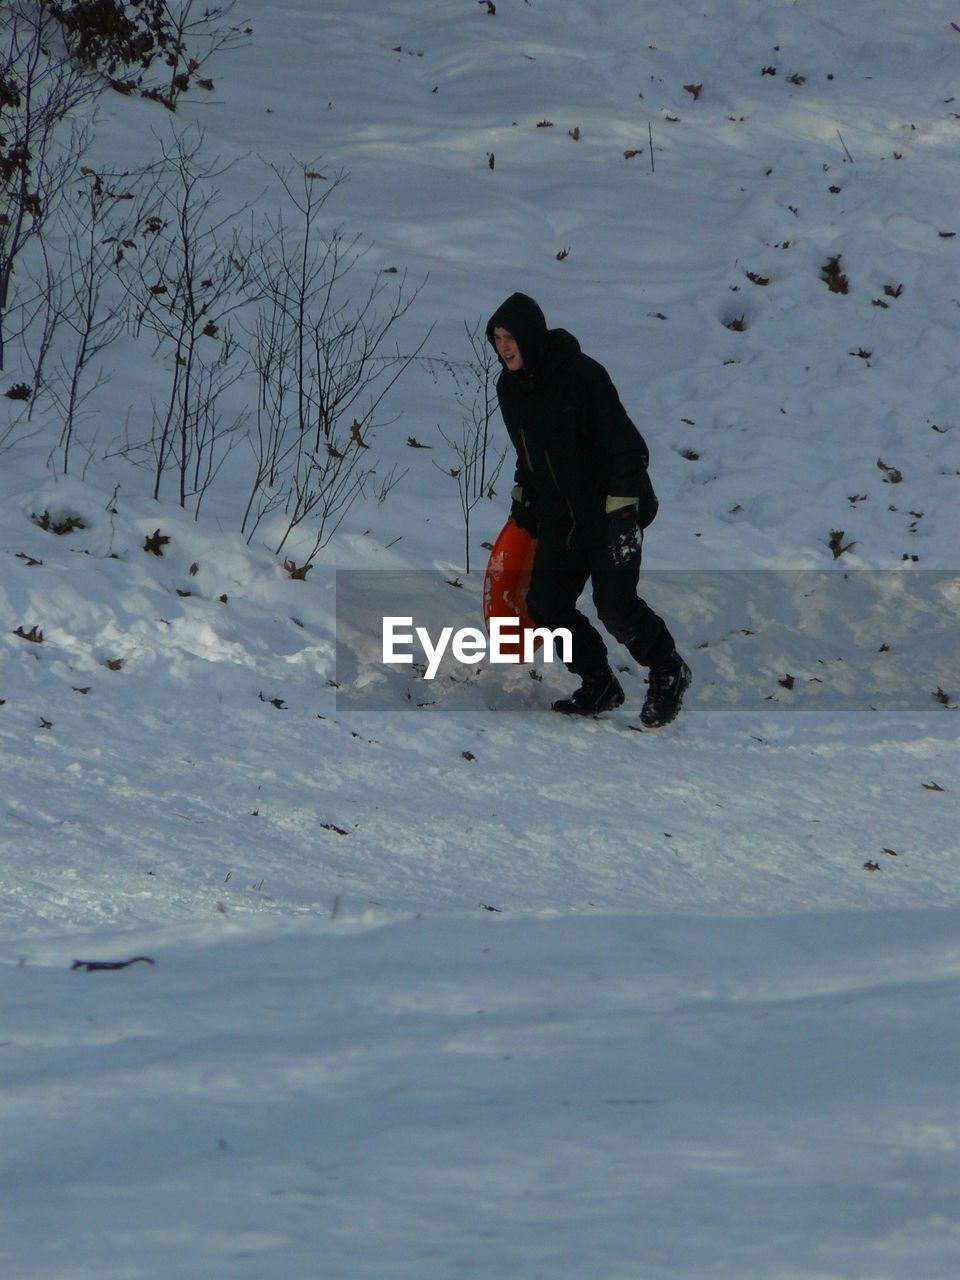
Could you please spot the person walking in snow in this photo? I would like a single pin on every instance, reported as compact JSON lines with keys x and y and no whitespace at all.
{"x":582,"y":489}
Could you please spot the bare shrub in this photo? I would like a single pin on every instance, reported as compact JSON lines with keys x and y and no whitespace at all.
{"x":123,"y":40}
{"x":320,"y":344}
{"x":477,"y":466}
{"x":40,"y":149}
{"x":183,"y":271}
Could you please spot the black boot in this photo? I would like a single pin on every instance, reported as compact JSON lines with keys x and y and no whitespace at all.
{"x":598,"y":693}
{"x":668,"y":682}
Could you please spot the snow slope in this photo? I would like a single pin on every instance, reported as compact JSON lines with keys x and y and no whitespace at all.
{"x":442,"y":990}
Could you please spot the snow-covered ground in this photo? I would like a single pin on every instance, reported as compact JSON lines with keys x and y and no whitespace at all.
{"x":459,"y":989}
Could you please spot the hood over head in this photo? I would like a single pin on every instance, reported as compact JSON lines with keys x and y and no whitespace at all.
{"x":522,"y":318}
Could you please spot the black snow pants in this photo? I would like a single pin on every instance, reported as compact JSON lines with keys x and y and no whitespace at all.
{"x":556,"y":584}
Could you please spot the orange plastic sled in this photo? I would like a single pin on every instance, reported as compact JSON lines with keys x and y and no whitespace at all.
{"x":507,"y":581}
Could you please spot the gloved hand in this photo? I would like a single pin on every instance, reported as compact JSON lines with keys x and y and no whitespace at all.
{"x":623,"y":535}
{"x":523,"y":513}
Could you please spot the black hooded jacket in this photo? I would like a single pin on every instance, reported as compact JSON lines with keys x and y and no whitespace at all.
{"x":575,"y":444}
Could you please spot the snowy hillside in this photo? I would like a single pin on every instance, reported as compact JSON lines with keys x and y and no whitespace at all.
{"x":428,"y":981}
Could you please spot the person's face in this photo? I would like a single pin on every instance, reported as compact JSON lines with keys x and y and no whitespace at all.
{"x":507,"y":349}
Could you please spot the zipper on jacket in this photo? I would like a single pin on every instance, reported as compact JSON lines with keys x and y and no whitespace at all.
{"x":573,"y":518}
{"x":526,"y":452}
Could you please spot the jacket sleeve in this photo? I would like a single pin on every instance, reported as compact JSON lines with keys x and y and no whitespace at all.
{"x":522,"y":479}
{"x":624,"y":455}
